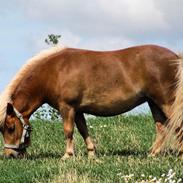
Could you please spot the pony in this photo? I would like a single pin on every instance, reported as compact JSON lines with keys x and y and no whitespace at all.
{"x":77,"y":81}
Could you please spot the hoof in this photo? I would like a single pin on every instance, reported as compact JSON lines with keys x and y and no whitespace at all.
{"x":91,"y":155}
{"x":67,"y":156}
{"x":154,"y":152}
{"x":152,"y":155}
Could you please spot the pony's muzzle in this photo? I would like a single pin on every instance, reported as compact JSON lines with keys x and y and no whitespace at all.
{"x":12,"y":153}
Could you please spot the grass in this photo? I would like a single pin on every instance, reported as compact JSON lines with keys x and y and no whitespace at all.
{"x":122,"y":149}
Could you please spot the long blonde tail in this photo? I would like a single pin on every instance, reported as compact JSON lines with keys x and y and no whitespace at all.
{"x":173,"y":137}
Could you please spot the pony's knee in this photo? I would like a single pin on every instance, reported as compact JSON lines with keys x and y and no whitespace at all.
{"x":68,"y":132}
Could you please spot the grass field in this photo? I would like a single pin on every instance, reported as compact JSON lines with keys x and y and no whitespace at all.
{"x":122,"y":149}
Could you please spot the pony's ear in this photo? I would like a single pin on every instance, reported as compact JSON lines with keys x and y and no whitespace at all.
{"x":10,"y":110}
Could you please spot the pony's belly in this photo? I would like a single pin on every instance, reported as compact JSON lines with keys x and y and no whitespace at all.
{"x":111,"y":109}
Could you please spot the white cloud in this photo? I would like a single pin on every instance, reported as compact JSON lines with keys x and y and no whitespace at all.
{"x":145,"y":13}
{"x":137,"y":13}
{"x":137,"y":20}
{"x":116,"y":23}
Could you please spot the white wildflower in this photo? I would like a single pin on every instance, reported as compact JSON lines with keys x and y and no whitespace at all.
{"x":154,"y":179}
{"x":172,"y":181}
{"x":170,"y":172}
{"x":179,"y":181}
{"x":164,"y":178}
{"x":171,"y":176}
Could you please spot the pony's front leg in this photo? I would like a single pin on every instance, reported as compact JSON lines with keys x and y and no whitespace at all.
{"x":68,"y":114}
{"x":83,"y":130}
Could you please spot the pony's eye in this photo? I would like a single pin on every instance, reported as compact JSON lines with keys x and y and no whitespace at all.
{"x":11,"y":129}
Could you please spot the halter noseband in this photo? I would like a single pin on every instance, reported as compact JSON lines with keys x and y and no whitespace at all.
{"x":25,"y":133}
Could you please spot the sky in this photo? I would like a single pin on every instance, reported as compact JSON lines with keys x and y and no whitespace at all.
{"x":96,"y":24}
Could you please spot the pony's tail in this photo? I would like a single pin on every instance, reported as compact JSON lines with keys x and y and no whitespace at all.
{"x":173,"y":135}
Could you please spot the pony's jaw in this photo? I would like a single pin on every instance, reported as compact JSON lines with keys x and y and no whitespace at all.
{"x":10,"y":153}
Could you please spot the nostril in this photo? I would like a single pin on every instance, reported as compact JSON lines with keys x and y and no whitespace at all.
{"x":11,"y":156}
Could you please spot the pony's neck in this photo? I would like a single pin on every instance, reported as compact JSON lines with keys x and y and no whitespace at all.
{"x":26,"y":103}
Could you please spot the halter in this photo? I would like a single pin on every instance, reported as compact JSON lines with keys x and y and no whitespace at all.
{"x":25,"y":133}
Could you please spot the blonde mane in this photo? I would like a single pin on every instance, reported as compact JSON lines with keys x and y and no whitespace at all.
{"x":5,"y":96}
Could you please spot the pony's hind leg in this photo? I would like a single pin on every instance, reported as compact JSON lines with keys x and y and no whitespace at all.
{"x":83,"y":130}
{"x":68,"y":115}
{"x":160,"y":120}
{"x":162,"y":125}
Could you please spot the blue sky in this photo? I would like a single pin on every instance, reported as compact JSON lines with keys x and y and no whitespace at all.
{"x":96,"y":24}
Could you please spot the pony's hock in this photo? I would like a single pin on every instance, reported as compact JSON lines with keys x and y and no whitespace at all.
{"x":77,"y":81}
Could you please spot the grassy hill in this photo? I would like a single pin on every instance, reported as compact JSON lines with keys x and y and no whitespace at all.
{"x":122,"y":144}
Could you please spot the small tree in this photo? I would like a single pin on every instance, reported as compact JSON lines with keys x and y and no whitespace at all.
{"x":52,"y":39}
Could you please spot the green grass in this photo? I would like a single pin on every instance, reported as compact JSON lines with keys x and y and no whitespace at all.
{"x":122,"y":144}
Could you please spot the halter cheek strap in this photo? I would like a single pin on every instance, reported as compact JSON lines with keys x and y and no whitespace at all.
{"x":25,"y":132}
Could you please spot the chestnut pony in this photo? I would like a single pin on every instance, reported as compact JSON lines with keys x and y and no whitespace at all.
{"x":76,"y":81}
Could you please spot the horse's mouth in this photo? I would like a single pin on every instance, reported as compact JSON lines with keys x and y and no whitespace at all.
{"x":11,"y":153}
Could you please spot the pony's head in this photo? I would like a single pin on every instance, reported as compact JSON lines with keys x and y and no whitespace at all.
{"x":16,"y":133}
